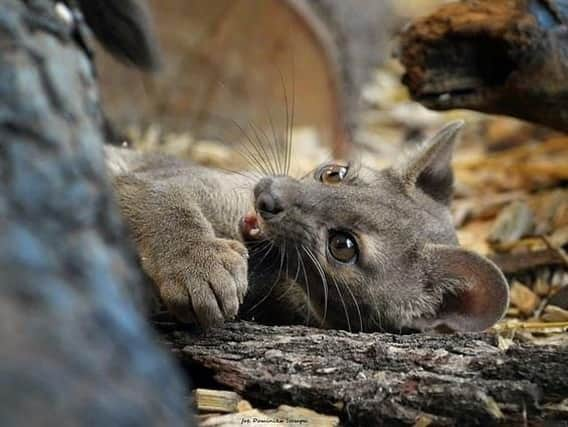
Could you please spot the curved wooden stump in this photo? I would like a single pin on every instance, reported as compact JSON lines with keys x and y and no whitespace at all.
{"x":384,"y":379}
{"x":229,"y":63}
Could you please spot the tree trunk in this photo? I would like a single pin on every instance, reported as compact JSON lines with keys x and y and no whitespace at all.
{"x":75,"y":349}
{"x":500,"y":57}
{"x":384,"y":379}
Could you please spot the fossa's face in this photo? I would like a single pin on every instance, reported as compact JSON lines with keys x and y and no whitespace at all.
{"x":376,"y":250}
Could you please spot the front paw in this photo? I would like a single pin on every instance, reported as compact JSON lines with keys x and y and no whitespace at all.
{"x":207,"y":283}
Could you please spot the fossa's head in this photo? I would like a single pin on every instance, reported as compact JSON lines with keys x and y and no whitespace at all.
{"x":377,"y":250}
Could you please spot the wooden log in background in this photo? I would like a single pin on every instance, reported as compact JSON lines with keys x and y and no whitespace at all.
{"x":384,"y":379}
{"x":500,"y":57}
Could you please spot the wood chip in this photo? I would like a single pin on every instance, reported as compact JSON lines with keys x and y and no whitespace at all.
{"x":217,"y":400}
{"x":557,"y":240}
{"x":560,"y":298}
{"x":424,"y":421}
{"x":244,"y":406}
{"x":514,"y":222}
{"x":553,"y":313}
{"x":484,"y":207}
{"x":541,"y":287}
{"x":504,"y":343}
{"x":523,"y":298}
{"x":551,"y":208}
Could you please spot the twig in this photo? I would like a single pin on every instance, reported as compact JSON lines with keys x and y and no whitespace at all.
{"x":561,"y":253}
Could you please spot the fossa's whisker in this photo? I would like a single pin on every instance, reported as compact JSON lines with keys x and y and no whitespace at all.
{"x":270,"y":248}
{"x":276,"y":281}
{"x":258,"y":246}
{"x":270,"y":154}
{"x":254,"y":156}
{"x":378,"y":318}
{"x":262,"y":164}
{"x":249,"y":175}
{"x":289,"y":120}
{"x":307,"y":282}
{"x":297,"y":274}
{"x":260,"y":148}
{"x":325,"y":285}
{"x":274,"y":144}
{"x":253,"y":162}
{"x":343,"y":304}
{"x":294,"y":281}
{"x":263,"y":140}
{"x":249,"y":155}
{"x":346,"y":286}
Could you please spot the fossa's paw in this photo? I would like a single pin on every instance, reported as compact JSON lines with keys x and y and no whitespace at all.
{"x":208,"y":284}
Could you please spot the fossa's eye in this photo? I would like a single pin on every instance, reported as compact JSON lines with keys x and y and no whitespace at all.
{"x":332,"y":174}
{"x":343,"y":246}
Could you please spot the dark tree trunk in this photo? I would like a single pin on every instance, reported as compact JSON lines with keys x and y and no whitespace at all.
{"x":501,"y":57}
{"x":75,"y":349}
{"x":384,"y":379}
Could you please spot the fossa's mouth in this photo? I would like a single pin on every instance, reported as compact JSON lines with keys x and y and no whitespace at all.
{"x":251,"y":227}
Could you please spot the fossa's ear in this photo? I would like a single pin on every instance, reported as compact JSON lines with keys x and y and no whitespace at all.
{"x":476,"y":294}
{"x":429,"y":167}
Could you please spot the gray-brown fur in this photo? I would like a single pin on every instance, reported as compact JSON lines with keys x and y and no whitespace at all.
{"x":409,"y":272}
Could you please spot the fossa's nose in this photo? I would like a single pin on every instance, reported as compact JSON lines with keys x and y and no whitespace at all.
{"x":267,"y":202}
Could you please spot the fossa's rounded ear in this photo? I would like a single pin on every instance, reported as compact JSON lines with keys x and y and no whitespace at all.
{"x":429,"y":166}
{"x":476,"y":294}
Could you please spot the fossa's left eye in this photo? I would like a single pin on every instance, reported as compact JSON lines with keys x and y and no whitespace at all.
{"x":343,"y":246}
{"x":332,"y":174}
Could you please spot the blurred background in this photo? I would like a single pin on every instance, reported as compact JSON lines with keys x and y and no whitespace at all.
{"x":238,"y":69}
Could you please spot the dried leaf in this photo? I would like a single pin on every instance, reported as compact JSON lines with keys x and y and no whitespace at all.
{"x":523,"y":298}
{"x":217,"y":400}
{"x":553,"y":313}
{"x":513,"y":223}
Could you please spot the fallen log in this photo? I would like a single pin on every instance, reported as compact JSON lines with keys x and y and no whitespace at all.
{"x":500,"y":57}
{"x":383,"y":379}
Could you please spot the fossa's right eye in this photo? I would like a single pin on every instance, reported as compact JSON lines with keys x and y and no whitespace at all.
{"x":343,"y":246}
{"x":332,"y":174}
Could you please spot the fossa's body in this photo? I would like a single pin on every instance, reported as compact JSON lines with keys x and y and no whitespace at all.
{"x":347,"y":247}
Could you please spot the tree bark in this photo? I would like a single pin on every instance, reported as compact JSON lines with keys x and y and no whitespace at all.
{"x":500,"y":57}
{"x":75,"y":349}
{"x":384,"y":379}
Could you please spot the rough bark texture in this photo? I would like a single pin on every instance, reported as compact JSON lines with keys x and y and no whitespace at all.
{"x":384,"y":379}
{"x":502,"y":57}
{"x":74,"y":349}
